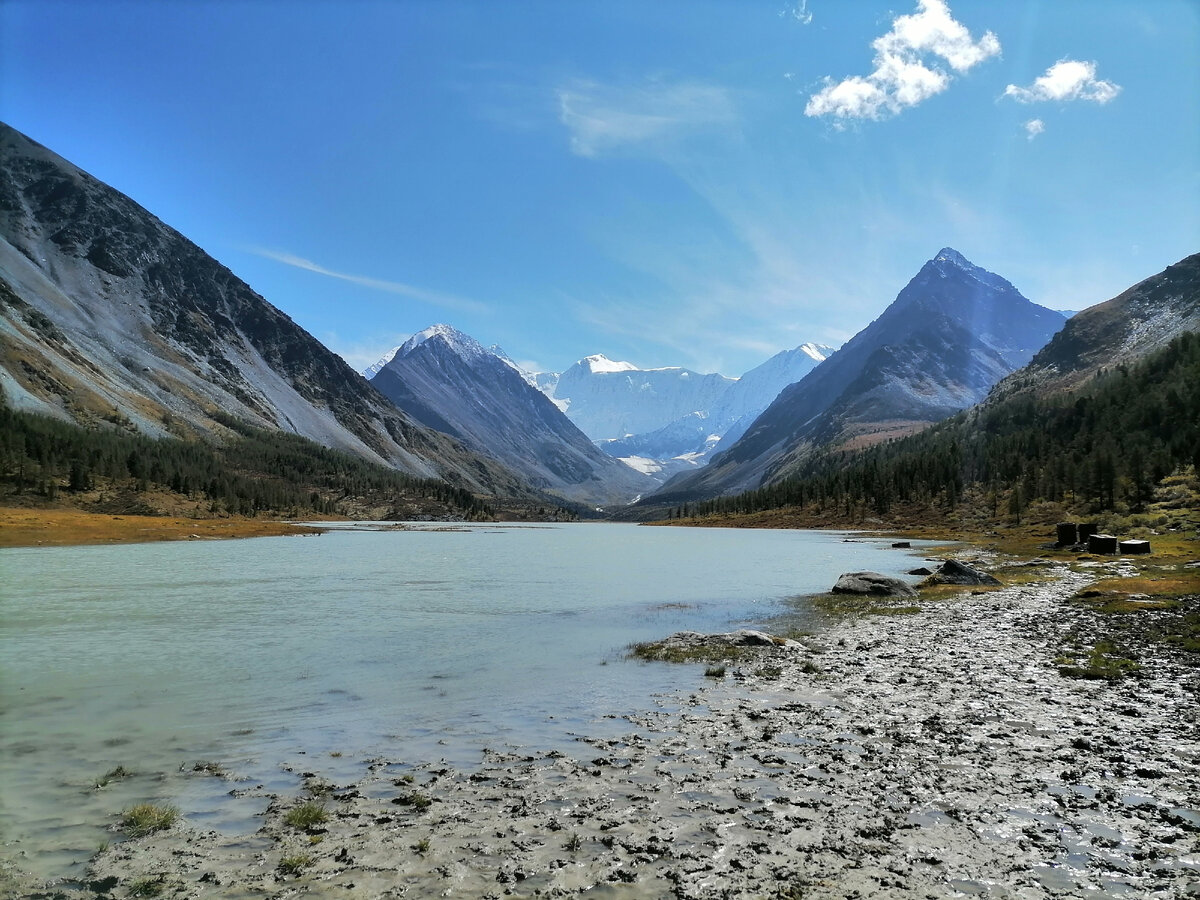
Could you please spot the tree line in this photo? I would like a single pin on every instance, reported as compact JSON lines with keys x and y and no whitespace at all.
{"x":256,"y":471}
{"x":1109,"y":442}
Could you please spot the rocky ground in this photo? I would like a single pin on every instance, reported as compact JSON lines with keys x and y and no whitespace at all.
{"x":937,"y":753}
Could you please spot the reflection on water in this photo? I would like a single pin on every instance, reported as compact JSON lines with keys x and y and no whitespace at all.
{"x":415,"y":644}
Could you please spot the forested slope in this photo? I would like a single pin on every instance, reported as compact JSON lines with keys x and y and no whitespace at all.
{"x":1104,"y":445}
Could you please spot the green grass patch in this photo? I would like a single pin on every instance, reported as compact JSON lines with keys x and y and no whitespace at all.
{"x":714,"y":672}
{"x":295,"y":864}
{"x":147,"y":887}
{"x":307,"y":815}
{"x":1104,"y":662}
{"x":416,"y":800}
{"x":147,"y":818}
{"x":112,"y":775}
{"x":658,"y":651}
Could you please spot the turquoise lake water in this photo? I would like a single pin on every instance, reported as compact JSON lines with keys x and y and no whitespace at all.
{"x":420,"y":644}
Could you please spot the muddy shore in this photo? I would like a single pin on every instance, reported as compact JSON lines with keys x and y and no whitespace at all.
{"x":65,"y":527}
{"x":932,"y":754}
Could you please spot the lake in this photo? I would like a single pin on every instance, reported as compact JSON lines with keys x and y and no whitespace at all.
{"x":320,"y":652}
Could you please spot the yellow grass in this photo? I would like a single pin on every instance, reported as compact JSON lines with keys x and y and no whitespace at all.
{"x":56,"y":527}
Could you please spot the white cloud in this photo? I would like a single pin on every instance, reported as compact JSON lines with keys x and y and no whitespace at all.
{"x":1067,"y":79}
{"x":436,"y":298}
{"x":1034,"y":127}
{"x":601,"y":118}
{"x":902,"y":77}
{"x":799,"y":12}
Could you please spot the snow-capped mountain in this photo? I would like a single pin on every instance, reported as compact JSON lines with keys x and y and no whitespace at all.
{"x":952,"y":333}
{"x":663,"y":421}
{"x":447,"y":380}
{"x":372,"y":370}
{"x":109,"y":317}
{"x":608,"y":399}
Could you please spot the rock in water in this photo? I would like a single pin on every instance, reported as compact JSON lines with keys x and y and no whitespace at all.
{"x":873,"y":584}
{"x":954,"y":572}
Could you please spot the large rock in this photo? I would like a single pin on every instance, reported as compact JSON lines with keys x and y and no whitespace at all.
{"x":954,"y":572}
{"x":873,"y":584}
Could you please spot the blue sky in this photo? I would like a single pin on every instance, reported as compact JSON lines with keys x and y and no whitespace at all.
{"x":699,"y":184}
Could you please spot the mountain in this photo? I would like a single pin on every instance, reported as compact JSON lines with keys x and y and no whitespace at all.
{"x":1136,"y":322}
{"x":447,"y":380}
{"x":687,"y":442}
{"x":608,"y":399}
{"x":951,"y":333}
{"x":110,"y":317}
{"x":1101,"y":418}
{"x":667,"y":420}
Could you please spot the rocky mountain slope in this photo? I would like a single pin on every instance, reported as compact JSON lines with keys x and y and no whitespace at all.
{"x":951,"y":334}
{"x":108,"y":314}
{"x":1138,"y":321}
{"x":448,"y":381}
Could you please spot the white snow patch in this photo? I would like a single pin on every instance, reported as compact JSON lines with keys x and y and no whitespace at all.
{"x":371,"y":371}
{"x":601,"y":363}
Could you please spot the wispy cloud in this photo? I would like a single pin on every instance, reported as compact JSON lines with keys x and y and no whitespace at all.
{"x":602,"y":118}
{"x":1034,"y":127}
{"x":903,"y":76}
{"x":799,"y":12}
{"x":436,"y":298}
{"x":1067,"y":79}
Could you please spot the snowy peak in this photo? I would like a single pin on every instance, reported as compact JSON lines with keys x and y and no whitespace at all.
{"x":600,"y":364}
{"x":816,"y":352}
{"x":372,"y":370}
{"x":952,"y":256}
{"x":462,"y":345}
{"x":949,"y":263}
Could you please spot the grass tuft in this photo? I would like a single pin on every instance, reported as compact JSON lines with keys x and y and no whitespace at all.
{"x":147,"y":818}
{"x":306,"y":815}
{"x":294,"y":865}
{"x":147,"y":887}
{"x":416,"y":800}
{"x":112,"y":775}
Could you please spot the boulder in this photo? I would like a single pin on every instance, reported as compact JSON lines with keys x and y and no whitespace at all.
{"x":873,"y":584}
{"x":920,"y":570}
{"x":954,"y":572}
{"x":901,"y":545}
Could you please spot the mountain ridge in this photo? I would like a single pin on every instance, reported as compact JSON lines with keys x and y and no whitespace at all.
{"x":108,"y":316}
{"x":448,"y":381}
{"x":950,"y":334}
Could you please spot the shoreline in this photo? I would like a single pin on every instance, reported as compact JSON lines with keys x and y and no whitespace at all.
{"x":22,"y":527}
{"x":924,"y":756}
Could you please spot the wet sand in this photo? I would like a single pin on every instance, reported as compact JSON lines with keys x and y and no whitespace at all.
{"x":932,"y":754}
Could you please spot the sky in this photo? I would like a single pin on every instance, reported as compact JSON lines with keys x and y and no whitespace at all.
{"x":699,"y":183}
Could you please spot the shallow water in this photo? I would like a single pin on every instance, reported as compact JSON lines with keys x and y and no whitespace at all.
{"x":321,"y":652}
